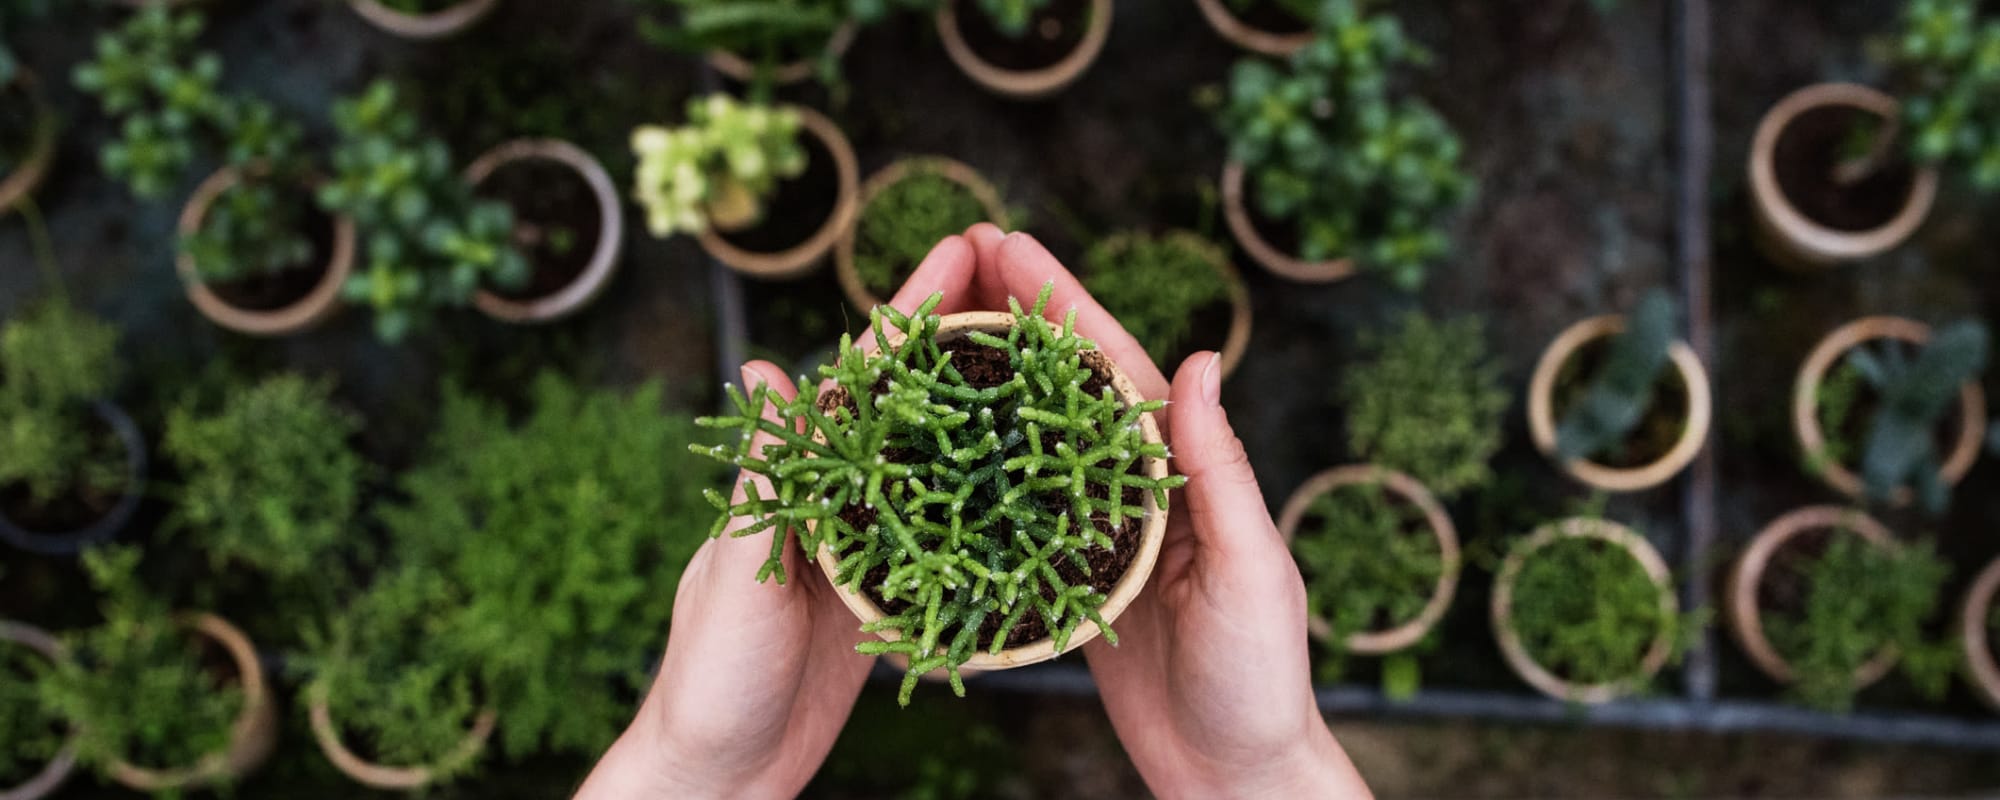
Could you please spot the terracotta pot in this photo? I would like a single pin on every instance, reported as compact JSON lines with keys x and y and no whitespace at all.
{"x":1252,"y":39}
{"x":70,"y":543}
{"x":26,"y":178}
{"x":377,"y":776}
{"x":1805,"y":406}
{"x":1026,"y":84}
{"x":610,"y":231}
{"x":858,"y":293}
{"x":1236,"y":212}
{"x":1542,"y":422}
{"x":435,"y":25}
{"x":316,"y":307}
{"x":741,"y":70}
{"x":1536,"y":675}
{"x":251,"y":737}
{"x":1151,"y":534}
{"x":1786,"y":233}
{"x":799,"y":259}
{"x":1237,"y":341}
{"x":1745,"y":614}
{"x":1372,"y":643}
{"x":58,"y":769}
{"x":1974,"y":636}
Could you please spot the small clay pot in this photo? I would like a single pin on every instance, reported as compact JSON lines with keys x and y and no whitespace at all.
{"x":27,"y":176}
{"x":54,"y":773}
{"x":70,"y":543}
{"x":741,"y":70}
{"x":1242,"y":35}
{"x":1542,"y":423}
{"x":316,"y":307}
{"x":435,"y":25}
{"x":1786,"y":233}
{"x":799,"y":259}
{"x":857,"y":292}
{"x":377,"y":776}
{"x":1151,"y":534}
{"x":1237,"y":341}
{"x":1026,"y":84}
{"x":1536,"y":675}
{"x":1805,"y":406}
{"x":251,"y":737}
{"x":1745,"y":613}
{"x":1236,"y":212}
{"x":1974,"y":635}
{"x":1375,"y":643}
{"x":610,"y":231}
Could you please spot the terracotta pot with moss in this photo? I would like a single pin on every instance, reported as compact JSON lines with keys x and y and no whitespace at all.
{"x":795,"y":70}
{"x":260,"y":301}
{"x":1832,"y":405}
{"x":804,"y":217}
{"x":1268,"y":27}
{"x":57,"y":747}
{"x":1420,"y":516}
{"x":29,"y":143}
{"x":252,"y":736}
{"x":1033,"y":57}
{"x":1176,"y":293}
{"x":1754,"y":592}
{"x":423,"y":19}
{"x":1575,"y":379}
{"x":905,"y":210}
{"x":1816,"y":203}
{"x":568,"y":220}
{"x":387,"y":777}
{"x":1622,"y":576}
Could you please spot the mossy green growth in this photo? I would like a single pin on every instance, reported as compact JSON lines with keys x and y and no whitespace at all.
{"x":1154,"y":285}
{"x":901,"y":223}
{"x":1427,"y":401}
{"x":1859,"y":598}
{"x":55,"y":360}
{"x":975,"y":502}
{"x":1588,"y":612}
{"x":33,"y":733}
{"x":1370,"y":563}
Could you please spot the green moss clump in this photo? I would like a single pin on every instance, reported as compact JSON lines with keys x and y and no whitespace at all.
{"x":1369,"y":558}
{"x":1427,"y":402}
{"x":901,"y":224}
{"x":1587,"y":611}
{"x":1155,"y":284}
{"x":1860,"y":598}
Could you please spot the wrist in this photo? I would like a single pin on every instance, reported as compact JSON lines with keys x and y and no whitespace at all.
{"x":647,"y":761}
{"x":1312,"y":765}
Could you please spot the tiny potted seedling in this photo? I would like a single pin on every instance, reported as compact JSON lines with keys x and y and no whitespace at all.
{"x":1024,"y":49}
{"x":1886,"y":412}
{"x":998,"y":499}
{"x":766,"y":189}
{"x":41,"y":748}
{"x":1979,"y":634}
{"x":1825,"y":601}
{"x":905,"y":210}
{"x":1620,"y":402}
{"x":27,"y":124}
{"x":1173,"y":293}
{"x":423,"y":19}
{"x":761,"y":43}
{"x":568,"y":221}
{"x":1329,"y":172}
{"x":75,"y":464}
{"x":1266,"y":27}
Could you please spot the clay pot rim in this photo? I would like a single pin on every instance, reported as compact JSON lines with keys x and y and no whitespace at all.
{"x":1236,"y":343}
{"x":58,"y":769}
{"x":858,"y":293}
{"x":1255,"y":40}
{"x":70,"y":543}
{"x":316,"y":307}
{"x":1745,"y":614}
{"x":1407,"y":634}
{"x":17,"y":185}
{"x":1541,"y":678}
{"x":1974,"y":638}
{"x":1025,"y":84}
{"x":1542,"y":425}
{"x":800,"y":258}
{"x":390,"y":778}
{"x":1815,"y":243}
{"x":1152,"y":531}
{"x":251,"y":736}
{"x":434,"y":25}
{"x":739,"y":69}
{"x":596,"y":274}
{"x":1805,"y":406}
{"x":1236,"y":213}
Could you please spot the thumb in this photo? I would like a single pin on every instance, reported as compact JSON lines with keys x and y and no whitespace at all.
{"x":1222,"y":496}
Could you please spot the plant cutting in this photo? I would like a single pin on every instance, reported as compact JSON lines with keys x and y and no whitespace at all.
{"x":1024,"y":49}
{"x":1167,"y":290}
{"x":1266,"y":27}
{"x":1620,"y":402}
{"x":998,"y":501}
{"x":906,"y":209}
{"x":1825,"y":601}
{"x":568,"y":221}
{"x":766,"y":189}
{"x":1886,"y":412}
{"x":1427,"y":401}
{"x":762,"y":42}
{"x":41,"y":749}
{"x":75,"y":463}
{"x":1328,"y":172}
{"x":423,"y":19}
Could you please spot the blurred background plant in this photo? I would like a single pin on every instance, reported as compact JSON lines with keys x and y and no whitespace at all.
{"x":717,"y":170}
{"x":1588,"y":611}
{"x":15,"y":15}
{"x":1011,"y":17}
{"x":1913,"y":395}
{"x":1155,"y":285}
{"x":1607,"y":406}
{"x":1427,"y":401}
{"x":903,"y":221}
{"x":1948,"y":58}
{"x":1370,"y":563}
{"x":55,"y":361}
{"x":32,"y":731}
{"x":1859,"y":599}
{"x":766,"y":33}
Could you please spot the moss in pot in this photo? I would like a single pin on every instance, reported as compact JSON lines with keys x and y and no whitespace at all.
{"x":904,"y":218}
{"x":1170,"y":292}
{"x":1428,"y":401}
{"x":1883,"y":409}
{"x":69,"y":465}
{"x":1831,"y":602}
{"x":1371,"y":563}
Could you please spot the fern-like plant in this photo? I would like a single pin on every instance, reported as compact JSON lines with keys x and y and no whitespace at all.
{"x":902,"y":222}
{"x":718,"y":169}
{"x":1913,"y":395}
{"x":1154,"y":285}
{"x":1369,"y":561}
{"x":1860,"y":598}
{"x":55,"y":360}
{"x":1427,"y":401}
{"x":1588,"y":611}
{"x":1949,"y":60}
{"x":962,"y":484}
{"x":1609,"y":404}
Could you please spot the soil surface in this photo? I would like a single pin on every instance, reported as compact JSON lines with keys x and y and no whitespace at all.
{"x":282,"y":289}
{"x":1054,"y":31}
{"x":1805,"y":159}
{"x":556,"y":222}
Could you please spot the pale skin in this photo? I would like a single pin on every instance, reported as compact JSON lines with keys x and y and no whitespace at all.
{"x":1209,"y":687}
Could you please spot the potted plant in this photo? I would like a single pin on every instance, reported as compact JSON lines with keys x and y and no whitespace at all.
{"x":568,"y":221}
{"x":1584,"y":610}
{"x":1427,"y":400}
{"x":423,"y":19}
{"x":1170,"y":292}
{"x":161,"y":702}
{"x":905,"y":210}
{"x":27,"y":133}
{"x":766,"y":189}
{"x":41,"y":750}
{"x":1825,"y":601}
{"x":1267,"y":27}
{"x":761,"y":43}
{"x":978,"y":559}
{"x":76,"y":464}
{"x":1977,"y":622}
{"x":1620,"y":402}
{"x":1886,"y":412}
{"x":1024,"y":49}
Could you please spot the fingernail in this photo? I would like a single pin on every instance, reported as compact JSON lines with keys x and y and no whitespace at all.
{"x":1211,"y":381}
{"x":750,"y":379}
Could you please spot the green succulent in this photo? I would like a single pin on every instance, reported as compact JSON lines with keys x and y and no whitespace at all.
{"x":905,"y":220}
{"x":1427,"y":401}
{"x":1588,"y":611}
{"x":1859,"y":598}
{"x":1949,"y":59}
{"x":1913,"y":396}
{"x":55,"y":360}
{"x":717,"y":169}
{"x":1611,"y":401}
{"x":1155,"y":284}
{"x":33,"y":733}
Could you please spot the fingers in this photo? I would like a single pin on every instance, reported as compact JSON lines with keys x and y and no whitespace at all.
{"x":1222,"y":497}
{"x":1025,"y":266}
{"x":947,"y":269}
{"x":988,"y":292}
{"x":745,"y":555}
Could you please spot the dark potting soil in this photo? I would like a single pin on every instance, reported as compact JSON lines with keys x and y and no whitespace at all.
{"x":80,"y":508}
{"x":1657,"y":432}
{"x":556,"y":223}
{"x":797,"y":209}
{"x":1054,"y":31}
{"x":17,"y":127}
{"x":275,"y":290}
{"x":1269,"y":16}
{"x":1805,"y":158}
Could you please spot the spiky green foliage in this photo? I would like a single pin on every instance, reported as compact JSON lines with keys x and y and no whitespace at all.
{"x":32,"y":732}
{"x":1154,"y":285}
{"x":901,"y":224}
{"x":1622,"y":390}
{"x":1427,"y":401}
{"x":1369,"y":558}
{"x":1913,"y":396}
{"x":1860,"y":598}
{"x":977,"y":502}
{"x":718,"y":168}
{"x":269,"y":479}
{"x":134,"y":686}
{"x":428,"y":242}
{"x":1361,"y":173}
{"x":1011,"y":17}
{"x":1949,"y":59}
{"x":1588,"y":612}
{"x":54,"y":360}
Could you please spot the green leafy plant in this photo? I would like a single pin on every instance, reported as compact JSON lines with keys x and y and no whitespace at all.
{"x":55,"y":360}
{"x":1615,"y":398}
{"x":1361,"y":173}
{"x":902,"y":222}
{"x":971,"y":485}
{"x":1858,"y":599}
{"x":766,"y":32}
{"x":717,"y":169}
{"x":1949,"y":60}
{"x":430,"y":243}
{"x":1427,"y":401}
{"x":1913,"y":395}
{"x":32,"y":732}
{"x":1155,"y":284}
{"x":1369,"y":560}
{"x":1587,"y":611}
{"x":1011,"y":17}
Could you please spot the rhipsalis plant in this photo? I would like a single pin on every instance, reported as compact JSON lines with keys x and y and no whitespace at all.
{"x":1427,"y":402}
{"x":1602,"y":410}
{"x":1154,"y":285}
{"x":1588,"y":612}
{"x":1949,"y":61}
{"x":718,"y":169}
{"x":1912,"y":397}
{"x":33,"y":733}
{"x":54,"y":361}
{"x":983,"y":491}
{"x":1369,"y":560}
{"x":1330,"y":149}
{"x":1859,"y":598}
{"x":901,"y":223}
